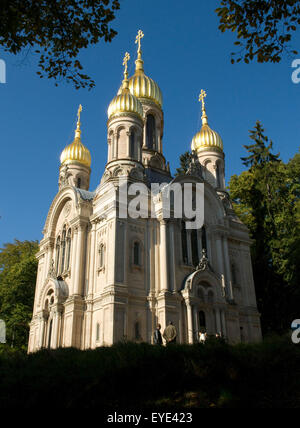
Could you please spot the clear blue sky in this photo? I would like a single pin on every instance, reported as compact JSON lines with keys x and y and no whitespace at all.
{"x":183,"y":51}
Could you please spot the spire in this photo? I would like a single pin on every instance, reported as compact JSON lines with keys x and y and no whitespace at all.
{"x":78,"y":130}
{"x":125,"y":84}
{"x":139,"y":62}
{"x":202,"y":95}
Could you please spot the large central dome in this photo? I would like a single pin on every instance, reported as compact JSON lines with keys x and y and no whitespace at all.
{"x":140,"y":85}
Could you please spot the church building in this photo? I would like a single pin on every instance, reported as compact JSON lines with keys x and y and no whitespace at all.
{"x":103,"y":278}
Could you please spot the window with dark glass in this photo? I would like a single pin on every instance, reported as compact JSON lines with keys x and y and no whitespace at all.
{"x":202,"y":320}
{"x":150,"y":132}
{"x":184,"y":243}
{"x":137,"y":330}
{"x":68,"y":249}
{"x":218,"y":174}
{"x":57,"y":254}
{"x":132,"y":144}
{"x":204,"y":240}
{"x":63,"y":250}
{"x":194,"y":242}
{"x":101,"y":256}
{"x":136,"y":253}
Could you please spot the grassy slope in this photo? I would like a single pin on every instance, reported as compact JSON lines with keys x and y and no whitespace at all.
{"x":139,"y":376}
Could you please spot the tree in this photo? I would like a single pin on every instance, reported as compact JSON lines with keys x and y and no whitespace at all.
{"x":185,"y":161}
{"x":266,"y":198}
{"x":56,"y":30}
{"x":18,"y":268}
{"x":264,"y":28}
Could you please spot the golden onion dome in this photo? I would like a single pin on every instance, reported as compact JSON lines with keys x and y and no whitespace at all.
{"x":125,"y":101}
{"x":76,"y":151}
{"x":141,"y":85}
{"x":206,"y":138}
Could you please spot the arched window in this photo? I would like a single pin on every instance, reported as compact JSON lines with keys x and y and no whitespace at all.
{"x":101,"y":255}
{"x":150,"y":132}
{"x":202,"y":320}
{"x":184,"y":243}
{"x":137,"y":254}
{"x":78,"y":182}
{"x":194,"y":239}
{"x":63,"y":249}
{"x":132,"y":144}
{"x":57,"y":254}
{"x":68,"y":249}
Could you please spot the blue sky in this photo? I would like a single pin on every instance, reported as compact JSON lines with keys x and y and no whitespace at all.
{"x":183,"y":51}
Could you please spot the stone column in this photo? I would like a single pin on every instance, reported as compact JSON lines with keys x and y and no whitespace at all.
{"x":55,"y":329}
{"x":227,"y":268}
{"x":163,"y":256}
{"x":189,"y":321}
{"x":92,"y":260}
{"x":79,"y":260}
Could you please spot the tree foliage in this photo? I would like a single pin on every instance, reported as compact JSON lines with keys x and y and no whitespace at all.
{"x":185,"y":161}
{"x":264,"y":29}
{"x":266,"y":198}
{"x":56,"y":30}
{"x":18,"y":268}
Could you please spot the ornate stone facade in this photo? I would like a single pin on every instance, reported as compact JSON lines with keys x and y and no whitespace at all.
{"x":104,"y":279}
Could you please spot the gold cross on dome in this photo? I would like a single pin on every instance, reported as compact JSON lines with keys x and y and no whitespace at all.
{"x":138,"y":38}
{"x":202,"y":95}
{"x":78,"y":112}
{"x":125,"y":61}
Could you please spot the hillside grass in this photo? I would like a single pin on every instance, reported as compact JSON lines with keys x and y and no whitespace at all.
{"x":142,"y":376}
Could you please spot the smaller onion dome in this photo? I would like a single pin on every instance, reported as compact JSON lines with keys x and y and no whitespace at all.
{"x":76,"y":151}
{"x":125,"y":102}
{"x":206,"y":138}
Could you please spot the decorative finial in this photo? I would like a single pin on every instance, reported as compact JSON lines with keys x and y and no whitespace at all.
{"x":125,"y":61}
{"x":138,"y":38}
{"x":139,"y":62}
{"x":202,"y":96}
{"x":78,"y":131}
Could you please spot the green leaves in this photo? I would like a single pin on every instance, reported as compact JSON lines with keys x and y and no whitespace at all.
{"x":58,"y":31}
{"x":266,"y":198}
{"x":18,"y":268}
{"x":185,"y":160}
{"x":264,"y":27}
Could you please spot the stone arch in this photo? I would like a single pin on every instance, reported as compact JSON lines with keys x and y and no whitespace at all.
{"x":67,"y":194}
